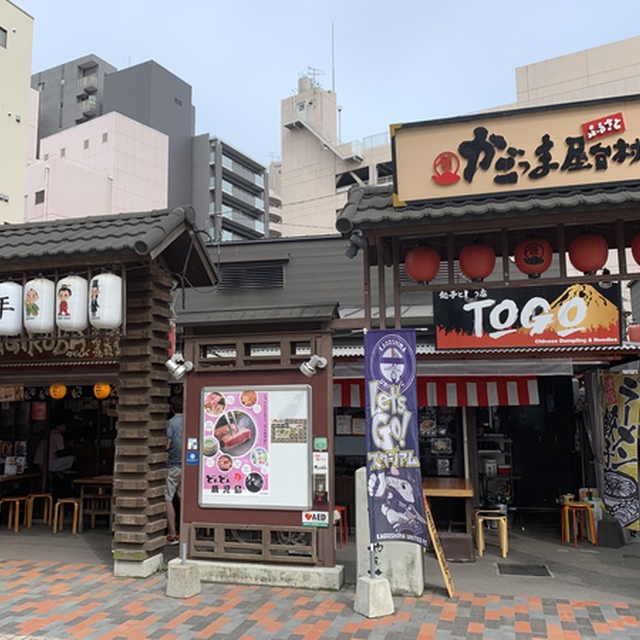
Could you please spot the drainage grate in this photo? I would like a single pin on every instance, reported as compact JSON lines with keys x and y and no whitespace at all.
{"x":523,"y":569}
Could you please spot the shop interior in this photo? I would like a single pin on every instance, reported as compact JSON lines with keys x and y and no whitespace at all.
{"x":521,"y":459}
{"x":25,"y":425}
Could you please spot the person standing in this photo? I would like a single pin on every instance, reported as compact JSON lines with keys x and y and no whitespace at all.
{"x":174,"y":467}
{"x":60,"y":458}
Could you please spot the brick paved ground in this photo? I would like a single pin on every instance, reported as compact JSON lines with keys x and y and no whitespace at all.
{"x":49,"y":600}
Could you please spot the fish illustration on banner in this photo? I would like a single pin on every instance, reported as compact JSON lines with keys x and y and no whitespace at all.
{"x":621,"y":496}
{"x":394,"y":480}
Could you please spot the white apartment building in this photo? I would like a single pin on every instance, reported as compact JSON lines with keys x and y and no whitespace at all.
{"x":16,"y":38}
{"x":317,"y":169}
{"x":110,"y":164}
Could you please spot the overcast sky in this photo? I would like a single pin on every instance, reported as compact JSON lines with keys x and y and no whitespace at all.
{"x":393,"y":61}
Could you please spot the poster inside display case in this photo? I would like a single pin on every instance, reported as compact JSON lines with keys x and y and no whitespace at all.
{"x":440,"y":442}
{"x":255,"y":447}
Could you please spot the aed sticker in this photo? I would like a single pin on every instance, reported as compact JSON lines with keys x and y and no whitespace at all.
{"x":192,"y":457}
{"x":315,"y":518}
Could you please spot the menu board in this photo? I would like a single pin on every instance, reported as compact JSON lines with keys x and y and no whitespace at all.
{"x":255,"y":447}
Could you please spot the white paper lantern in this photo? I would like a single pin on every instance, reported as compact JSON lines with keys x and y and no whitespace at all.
{"x":71,"y":304}
{"x":105,"y":301}
{"x":10,"y":309}
{"x":39,"y":305}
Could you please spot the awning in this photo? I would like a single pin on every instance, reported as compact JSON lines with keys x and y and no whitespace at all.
{"x":485,"y":391}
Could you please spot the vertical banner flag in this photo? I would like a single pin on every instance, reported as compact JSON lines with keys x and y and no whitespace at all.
{"x":621,"y":419}
{"x":394,"y":481}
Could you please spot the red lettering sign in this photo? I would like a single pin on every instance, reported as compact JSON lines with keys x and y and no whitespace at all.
{"x":605,"y":126}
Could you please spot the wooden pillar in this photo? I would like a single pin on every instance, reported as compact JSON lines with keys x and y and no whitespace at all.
{"x":140,"y":453}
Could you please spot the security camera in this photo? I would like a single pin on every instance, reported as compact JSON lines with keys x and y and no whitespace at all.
{"x":310,"y":368}
{"x":178,"y":367}
{"x":356,"y":242}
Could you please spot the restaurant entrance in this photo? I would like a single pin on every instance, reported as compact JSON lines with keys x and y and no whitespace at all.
{"x":27,"y":419}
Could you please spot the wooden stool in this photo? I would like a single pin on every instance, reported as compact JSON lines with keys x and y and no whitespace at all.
{"x":576,"y":515}
{"x":58,"y":513}
{"x":14,"y":510}
{"x":500,"y":518}
{"x":47,"y":507}
{"x":343,"y":525}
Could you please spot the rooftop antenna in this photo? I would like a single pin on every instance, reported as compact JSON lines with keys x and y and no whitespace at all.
{"x":333,"y":62}
{"x":312,"y":72}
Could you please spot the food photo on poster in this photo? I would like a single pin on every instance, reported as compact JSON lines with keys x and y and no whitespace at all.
{"x":235,"y":442}
{"x":255,"y":447}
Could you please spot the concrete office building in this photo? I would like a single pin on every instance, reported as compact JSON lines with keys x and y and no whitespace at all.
{"x":16,"y":38}
{"x":231,"y":188}
{"x":111,"y":164}
{"x":70,"y":93}
{"x":154,"y":97}
{"x":157,"y":98}
{"x":317,"y":169}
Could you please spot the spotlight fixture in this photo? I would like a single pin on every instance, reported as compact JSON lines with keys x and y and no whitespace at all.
{"x":605,"y":284}
{"x":178,"y":366}
{"x":310,"y":368}
{"x":356,"y":242}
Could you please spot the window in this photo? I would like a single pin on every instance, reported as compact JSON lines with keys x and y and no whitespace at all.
{"x":39,"y":199}
{"x":63,"y":152}
{"x":178,"y":101}
{"x":3,"y":37}
{"x":86,"y":144}
{"x":105,"y":137}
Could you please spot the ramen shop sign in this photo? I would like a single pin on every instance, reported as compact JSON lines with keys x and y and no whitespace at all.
{"x":550,"y":317}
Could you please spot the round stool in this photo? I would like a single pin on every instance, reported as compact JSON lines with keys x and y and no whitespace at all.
{"x":14,"y":510}
{"x":500,"y":518}
{"x":58,"y":513}
{"x":47,"y":507}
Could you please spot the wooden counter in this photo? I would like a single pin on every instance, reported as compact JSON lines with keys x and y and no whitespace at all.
{"x":451,"y":488}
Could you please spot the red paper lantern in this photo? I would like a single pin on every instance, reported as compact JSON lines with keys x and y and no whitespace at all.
{"x":635,"y":247}
{"x":422,"y":264}
{"x":588,"y":252}
{"x":633,"y":332}
{"x":533,"y":256}
{"x":477,"y":261}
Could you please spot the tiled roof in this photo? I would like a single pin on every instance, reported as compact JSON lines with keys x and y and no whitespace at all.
{"x":322,"y":312}
{"x":125,"y":237}
{"x":373,"y":205}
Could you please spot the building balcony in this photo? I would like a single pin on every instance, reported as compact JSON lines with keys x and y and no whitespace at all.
{"x":87,"y":84}
{"x":88,"y":107}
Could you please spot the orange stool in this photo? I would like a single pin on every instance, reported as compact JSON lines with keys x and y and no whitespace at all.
{"x":492,"y":515}
{"x":47,"y":507}
{"x":58,"y":513}
{"x":343,"y":525}
{"x":578,"y":515}
{"x":14,"y":510}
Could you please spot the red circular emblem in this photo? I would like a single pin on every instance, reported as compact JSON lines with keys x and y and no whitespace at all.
{"x":446,"y":166}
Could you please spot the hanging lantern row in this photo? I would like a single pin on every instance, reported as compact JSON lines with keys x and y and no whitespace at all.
{"x":477,"y":261}
{"x":70,"y":305}
{"x":588,"y":253}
